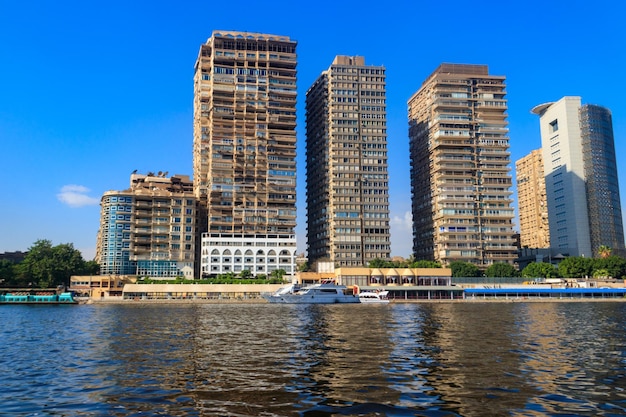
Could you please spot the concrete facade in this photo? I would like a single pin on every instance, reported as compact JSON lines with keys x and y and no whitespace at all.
{"x":561,"y":144}
{"x":460,"y":167}
{"x":347,"y":179}
{"x":148,"y":229}
{"x":244,"y":150}
{"x":532,"y":201}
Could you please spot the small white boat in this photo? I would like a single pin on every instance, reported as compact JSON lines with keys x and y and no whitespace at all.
{"x":324,"y":293}
{"x":374,"y":297}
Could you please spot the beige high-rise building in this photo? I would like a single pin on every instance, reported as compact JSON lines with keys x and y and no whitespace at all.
{"x":346,"y":149}
{"x":460,"y":167}
{"x":244,"y":152}
{"x":148,"y":229}
{"x":532,"y":202}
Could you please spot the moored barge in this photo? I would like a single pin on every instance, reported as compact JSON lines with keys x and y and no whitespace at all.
{"x":36,"y":297}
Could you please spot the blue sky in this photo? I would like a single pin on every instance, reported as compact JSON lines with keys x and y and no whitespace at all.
{"x":90,"y":91}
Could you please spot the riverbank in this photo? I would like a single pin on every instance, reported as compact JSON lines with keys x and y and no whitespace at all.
{"x":262,"y":301}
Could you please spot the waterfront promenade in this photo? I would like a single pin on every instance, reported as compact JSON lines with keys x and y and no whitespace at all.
{"x":454,"y":290}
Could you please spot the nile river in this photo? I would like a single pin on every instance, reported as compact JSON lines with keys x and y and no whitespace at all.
{"x":444,"y":359}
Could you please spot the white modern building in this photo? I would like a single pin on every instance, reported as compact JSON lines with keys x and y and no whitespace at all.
{"x":580,"y":168}
{"x":261,"y":255}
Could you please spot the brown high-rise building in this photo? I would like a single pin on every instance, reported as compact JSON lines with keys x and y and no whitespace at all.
{"x":244,"y":152}
{"x":532,"y":201}
{"x":460,"y":173}
{"x":346,"y":149}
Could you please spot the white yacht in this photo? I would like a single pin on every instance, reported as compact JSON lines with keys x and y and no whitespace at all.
{"x":374,"y":297}
{"x":323,"y":293}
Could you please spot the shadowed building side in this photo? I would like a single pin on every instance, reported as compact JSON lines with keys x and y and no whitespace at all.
{"x":347,"y":175}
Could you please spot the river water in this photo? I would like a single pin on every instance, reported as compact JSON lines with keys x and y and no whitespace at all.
{"x":440,"y":359}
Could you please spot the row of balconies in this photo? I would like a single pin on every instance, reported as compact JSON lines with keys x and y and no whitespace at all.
{"x":268,"y":61}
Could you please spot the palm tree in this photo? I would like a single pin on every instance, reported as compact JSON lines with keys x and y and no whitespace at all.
{"x":604,"y":251}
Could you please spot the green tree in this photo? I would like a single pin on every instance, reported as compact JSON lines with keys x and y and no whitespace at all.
{"x":91,"y":268}
{"x":303,"y":267}
{"x":614,"y":265}
{"x":604,"y":251}
{"x":245,"y":274}
{"x":425,"y":264}
{"x":576,"y":267}
{"x":379,"y":263}
{"x":501,"y":269}
{"x":601,"y":273}
{"x":226,"y":277}
{"x":47,"y":266}
{"x":7,"y":273}
{"x":464,"y":269}
{"x":278,"y":274}
{"x":540,"y":270}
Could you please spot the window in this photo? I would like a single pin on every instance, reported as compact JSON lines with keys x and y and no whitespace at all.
{"x":554,"y":126}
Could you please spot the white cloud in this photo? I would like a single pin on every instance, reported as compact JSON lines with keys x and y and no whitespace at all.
{"x":76,"y":196}
{"x":402,"y":235}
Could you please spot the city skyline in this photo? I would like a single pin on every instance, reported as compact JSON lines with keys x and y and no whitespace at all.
{"x":83,"y":105}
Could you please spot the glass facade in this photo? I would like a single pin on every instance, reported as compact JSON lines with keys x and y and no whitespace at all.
{"x":602,"y":187}
{"x":148,"y":230}
{"x":114,"y":236}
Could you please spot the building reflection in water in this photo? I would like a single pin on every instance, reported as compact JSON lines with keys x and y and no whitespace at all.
{"x":574,"y":356}
{"x":475,"y":359}
{"x":469,"y":359}
{"x":350,"y":358}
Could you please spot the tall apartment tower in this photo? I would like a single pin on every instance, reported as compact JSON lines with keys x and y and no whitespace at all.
{"x":148,"y":229}
{"x":244,"y":152}
{"x":532,"y":201}
{"x":460,"y":173}
{"x":346,"y":149}
{"x":584,"y":206}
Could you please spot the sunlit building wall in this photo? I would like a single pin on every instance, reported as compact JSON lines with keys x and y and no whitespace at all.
{"x":460,"y":167}
{"x":244,"y":152}
{"x":148,"y":229}
{"x":582,"y":189}
{"x":532,"y":201}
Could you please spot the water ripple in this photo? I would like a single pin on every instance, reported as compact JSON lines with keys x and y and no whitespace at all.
{"x":516,"y":359}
